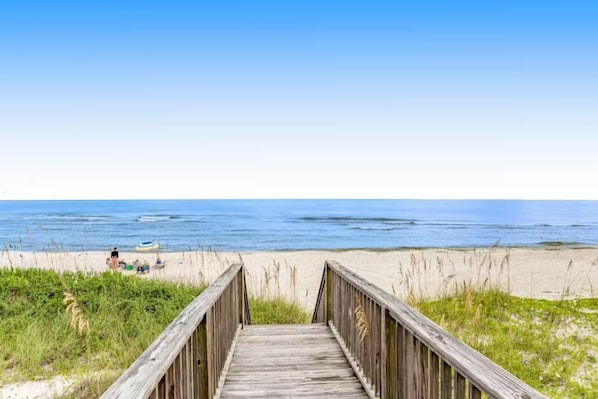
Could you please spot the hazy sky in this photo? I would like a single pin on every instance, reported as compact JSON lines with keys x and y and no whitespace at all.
{"x":302,"y":99}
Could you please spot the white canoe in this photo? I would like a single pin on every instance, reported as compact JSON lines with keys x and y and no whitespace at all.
{"x":147,"y":246}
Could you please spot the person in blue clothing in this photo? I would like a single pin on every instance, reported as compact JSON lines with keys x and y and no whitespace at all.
{"x":159,"y":263}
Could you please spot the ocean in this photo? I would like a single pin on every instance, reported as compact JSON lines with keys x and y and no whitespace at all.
{"x":253,"y":225}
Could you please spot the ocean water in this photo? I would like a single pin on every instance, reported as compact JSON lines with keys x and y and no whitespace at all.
{"x":246,"y":225}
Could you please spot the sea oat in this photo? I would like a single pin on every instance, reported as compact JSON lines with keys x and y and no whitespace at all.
{"x":363,"y":327}
{"x":78,"y":321}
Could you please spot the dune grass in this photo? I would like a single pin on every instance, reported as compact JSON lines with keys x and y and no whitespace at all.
{"x":552,"y":345}
{"x":273,"y":304}
{"x":121,"y":316}
{"x":277,"y":310}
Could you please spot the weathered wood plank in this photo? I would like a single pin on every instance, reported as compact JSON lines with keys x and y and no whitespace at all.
{"x":446,"y":386}
{"x":289,"y":361}
{"x":295,"y":330}
{"x":434,"y":375}
{"x":382,"y":389}
{"x":319,"y":315}
{"x":325,"y":388}
{"x":459,"y":386}
{"x":202,"y":361}
{"x":474,"y":393}
{"x":392,"y":361}
{"x":294,"y":363}
{"x":247,"y":311}
{"x":283,"y":393}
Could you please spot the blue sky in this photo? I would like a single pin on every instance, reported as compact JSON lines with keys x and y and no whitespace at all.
{"x":271,"y":99}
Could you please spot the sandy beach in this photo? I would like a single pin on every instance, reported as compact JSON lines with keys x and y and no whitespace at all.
{"x":527,"y":272}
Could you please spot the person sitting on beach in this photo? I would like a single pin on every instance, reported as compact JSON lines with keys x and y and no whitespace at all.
{"x":141,"y":267}
{"x":138,"y":266}
{"x":159,"y":263}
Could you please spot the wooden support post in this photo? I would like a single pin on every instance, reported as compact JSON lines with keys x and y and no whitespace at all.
{"x":434,"y":388}
{"x":459,"y":386}
{"x":241,"y":290}
{"x":328,"y":289}
{"x":473,"y":392}
{"x":383,"y":353}
{"x":391,"y":371}
{"x":446,"y":389}
{"x":202,"y":360}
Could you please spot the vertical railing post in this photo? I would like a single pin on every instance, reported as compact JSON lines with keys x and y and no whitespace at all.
{"x":328,"y":288}
{"x":383,"y":353}
{"x":392,"y":350}
{"x":203,"y":391}
{"x":211,"y":350}
{"x":241,"y":288}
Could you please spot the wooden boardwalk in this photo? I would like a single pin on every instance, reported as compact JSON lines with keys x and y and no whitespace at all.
{"x":290,"y":361}
{"x":212,"y":351}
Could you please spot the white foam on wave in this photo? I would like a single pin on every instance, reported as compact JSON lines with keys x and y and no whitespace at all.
{"x":374,"y":228}
{"x":153,"y":218}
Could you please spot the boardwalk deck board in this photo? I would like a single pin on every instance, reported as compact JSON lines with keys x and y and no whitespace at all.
{"x":291,"y":361}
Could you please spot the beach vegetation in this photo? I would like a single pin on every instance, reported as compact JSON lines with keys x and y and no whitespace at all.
{"x":76,"y":324}
{"x":552,"y":345}
{"x":277,"y":310}
{"x":272,"y":304}
{"x":361,"y":320}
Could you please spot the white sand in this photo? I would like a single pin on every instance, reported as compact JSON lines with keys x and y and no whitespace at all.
{"x":528,"y":272}
{"x":36,"y":389}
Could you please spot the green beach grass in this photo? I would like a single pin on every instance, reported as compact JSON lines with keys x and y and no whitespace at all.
{"x":40,"y":339}
{"x":551,"y":345}
{"x":275,"y":305}
{"x":277,"y":311}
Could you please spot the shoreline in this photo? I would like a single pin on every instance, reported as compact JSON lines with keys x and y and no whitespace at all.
{"x":164,"y":250}
{"x":543,"y":273}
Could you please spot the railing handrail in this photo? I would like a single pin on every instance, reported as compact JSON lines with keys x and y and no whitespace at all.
{"x":470,"y":363}
{"x":143,"y":375}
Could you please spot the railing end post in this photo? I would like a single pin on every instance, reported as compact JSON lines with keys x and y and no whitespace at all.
{"x":328,"y":287}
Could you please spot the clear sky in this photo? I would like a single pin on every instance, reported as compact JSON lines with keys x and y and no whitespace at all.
{"x":301,"y":99}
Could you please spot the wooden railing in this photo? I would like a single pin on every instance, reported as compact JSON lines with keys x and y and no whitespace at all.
{"x":188,"y":359}
{"x":398,"y":352}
